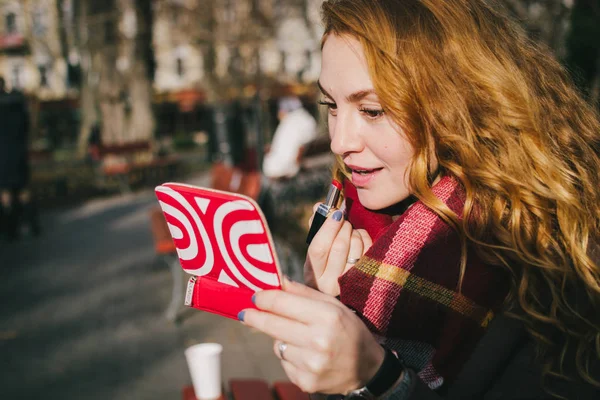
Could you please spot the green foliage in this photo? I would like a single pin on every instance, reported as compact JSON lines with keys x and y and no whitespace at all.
{"x":183,"y":141}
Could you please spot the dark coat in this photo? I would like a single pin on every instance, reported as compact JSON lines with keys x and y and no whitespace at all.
{"x":14,"y":125}
{"x":503,"y":366}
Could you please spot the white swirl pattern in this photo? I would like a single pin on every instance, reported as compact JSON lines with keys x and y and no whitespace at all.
{"x":176,"y":233}
{"x":238,"y":230}
{"x":191,"y":251}
{"x":244,"y":228}
{"x":260,"y":252}
{"x":236,"y":262}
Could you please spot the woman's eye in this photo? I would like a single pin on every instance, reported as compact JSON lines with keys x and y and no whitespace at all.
{"x":372,"y":113}
{"x":331,"y":106}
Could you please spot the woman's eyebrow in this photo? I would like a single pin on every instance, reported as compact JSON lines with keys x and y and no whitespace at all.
{"x":359,"y":95}
{"x":352,"y":98}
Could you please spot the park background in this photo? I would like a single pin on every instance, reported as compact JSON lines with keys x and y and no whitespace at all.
{"x":126,"y":94}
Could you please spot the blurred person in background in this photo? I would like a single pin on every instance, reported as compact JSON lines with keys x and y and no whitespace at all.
{"x":296,"y":128}
{"x":282,"y":185}
{"x":94,"y":143}
{"x":16,"y":202}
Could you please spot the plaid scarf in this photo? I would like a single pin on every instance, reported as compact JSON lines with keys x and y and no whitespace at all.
{"x":405,"y":286}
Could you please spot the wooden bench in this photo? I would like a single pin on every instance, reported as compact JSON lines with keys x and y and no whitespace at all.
{"x":165,"y":249}
{"x":125,"y":165}
{"x":235,"y":179}
{"x":255,"y":389}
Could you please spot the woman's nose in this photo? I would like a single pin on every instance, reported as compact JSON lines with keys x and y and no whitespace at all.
{"x":345,"y":137}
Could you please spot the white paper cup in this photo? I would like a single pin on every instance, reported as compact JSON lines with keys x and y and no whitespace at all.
{"x":204,"y":363}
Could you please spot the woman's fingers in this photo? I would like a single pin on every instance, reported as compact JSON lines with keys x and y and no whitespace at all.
{"x":327,"y":277}
{"x":326,"y":234}
{"x":356,"y":250}
{"x":308,"y":292}
{"x":366,"y":240}
{"x":304,"y":359}
{"x":278,"y":327}
{"x":327,"y":348}
{"x":285,"y":311}
{"x":292,"y":373}
{"x":295,"y":303}
{"x":335,"y":248}
{"x":302,"y":366}
{"x":356,"y":246}
{"x":339,"y":251}
{"x":323,"y":242}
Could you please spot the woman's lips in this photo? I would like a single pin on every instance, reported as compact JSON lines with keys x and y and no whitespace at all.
{"x":362,"y":177}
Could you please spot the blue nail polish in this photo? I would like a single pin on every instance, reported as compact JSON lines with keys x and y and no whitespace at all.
{"x":241,"y":315}
{"x":337,"y":215}
{"x":254,"y":298}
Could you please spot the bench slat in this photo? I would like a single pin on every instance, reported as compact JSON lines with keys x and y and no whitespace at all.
{"x":250,"y":389}
{"x":188,"y":394}
{"x":256,"y":389}
{"x":288,"y":391}
{"x":163,"y":243}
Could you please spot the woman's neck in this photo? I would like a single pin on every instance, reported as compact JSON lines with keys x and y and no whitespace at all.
{"x":396,"y":210}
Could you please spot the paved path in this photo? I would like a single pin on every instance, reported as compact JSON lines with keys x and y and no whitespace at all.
{"x":81,"y":312}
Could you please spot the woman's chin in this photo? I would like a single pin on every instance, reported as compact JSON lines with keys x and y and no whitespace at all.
{"x":374,"y":203}
{"x":378,"y":201}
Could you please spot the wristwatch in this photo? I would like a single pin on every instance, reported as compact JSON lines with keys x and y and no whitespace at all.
{"x":385,"y":378}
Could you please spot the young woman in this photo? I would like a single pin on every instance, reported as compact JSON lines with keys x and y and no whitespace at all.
{"x":467,"y":264}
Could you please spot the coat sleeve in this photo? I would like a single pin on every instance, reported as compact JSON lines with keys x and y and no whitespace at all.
{"x":411,"y":388}
{"x":480,"y":373}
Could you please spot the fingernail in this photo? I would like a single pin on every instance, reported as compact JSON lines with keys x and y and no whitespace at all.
{"x":241,"y":315}
{"x":337,"y":215}
{"x":253,"y":298}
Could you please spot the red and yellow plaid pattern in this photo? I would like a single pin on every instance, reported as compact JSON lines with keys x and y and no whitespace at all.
{"x":405,"y":287}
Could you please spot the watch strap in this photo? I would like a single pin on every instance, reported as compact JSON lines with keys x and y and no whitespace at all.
{"x":386,"y":376}
{"x":403,"y":389}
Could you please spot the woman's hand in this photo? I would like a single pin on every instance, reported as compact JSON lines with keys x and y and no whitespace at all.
{"x":329,"y":349}
{"x":328,"y":254}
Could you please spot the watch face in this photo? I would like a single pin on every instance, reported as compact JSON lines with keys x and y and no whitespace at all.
{"x":360,"y":394}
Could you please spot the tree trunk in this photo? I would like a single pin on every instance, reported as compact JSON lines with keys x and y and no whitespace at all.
{"x":116,"y":89}
{"x":88,"y":99}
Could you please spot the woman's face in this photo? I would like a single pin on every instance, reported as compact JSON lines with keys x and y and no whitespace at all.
{"x":374,"y":148}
